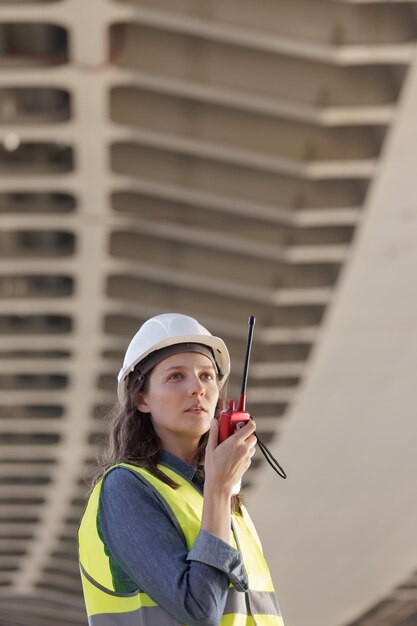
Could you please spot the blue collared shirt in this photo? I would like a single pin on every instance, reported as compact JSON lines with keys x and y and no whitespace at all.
{"x":147,"y":551}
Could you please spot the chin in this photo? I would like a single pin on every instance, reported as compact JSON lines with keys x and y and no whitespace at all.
{"x":198,"y":430}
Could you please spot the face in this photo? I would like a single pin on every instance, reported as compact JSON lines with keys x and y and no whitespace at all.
{"x":181,"y":396}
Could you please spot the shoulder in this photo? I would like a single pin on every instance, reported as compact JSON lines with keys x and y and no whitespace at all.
{"x":120,"y":481}
{"x":127,"y":501}
{"x":124,"y":486}
{"x":119,"y":475}
{"x":123,"y":492}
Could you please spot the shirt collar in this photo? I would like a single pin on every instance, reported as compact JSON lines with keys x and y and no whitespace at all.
{"x":178,"y":465}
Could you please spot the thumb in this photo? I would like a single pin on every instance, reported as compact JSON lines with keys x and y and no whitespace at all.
{"x":213,"y":434}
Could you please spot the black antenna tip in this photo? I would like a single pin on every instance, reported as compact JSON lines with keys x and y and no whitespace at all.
{"x":251,"y":320}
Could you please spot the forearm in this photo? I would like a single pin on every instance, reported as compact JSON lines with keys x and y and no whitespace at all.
{"x":216,"y":517}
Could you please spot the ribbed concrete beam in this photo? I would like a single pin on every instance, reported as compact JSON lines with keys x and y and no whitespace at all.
{"x":341,"y":534}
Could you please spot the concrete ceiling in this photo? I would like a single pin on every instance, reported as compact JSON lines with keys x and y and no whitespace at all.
{"x":220,"y":159}
{"x":342,"y":530}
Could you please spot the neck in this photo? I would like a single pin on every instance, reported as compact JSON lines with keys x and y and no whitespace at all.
{"x":184,"y":450}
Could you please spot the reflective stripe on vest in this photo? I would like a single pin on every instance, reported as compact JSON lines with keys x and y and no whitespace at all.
{"x":107,"y":607}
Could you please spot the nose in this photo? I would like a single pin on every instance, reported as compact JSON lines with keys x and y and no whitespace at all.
{"x":197,"y":387}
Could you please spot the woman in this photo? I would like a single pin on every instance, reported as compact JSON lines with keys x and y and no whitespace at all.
{"x":162,"y":540}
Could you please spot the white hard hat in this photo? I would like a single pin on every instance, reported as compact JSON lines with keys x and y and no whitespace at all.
{"x":166,"y":330}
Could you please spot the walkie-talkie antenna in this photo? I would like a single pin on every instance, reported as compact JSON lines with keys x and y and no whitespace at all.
{"x":242,"y":398}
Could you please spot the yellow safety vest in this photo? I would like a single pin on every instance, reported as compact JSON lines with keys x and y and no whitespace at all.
{"x":106,"y":607}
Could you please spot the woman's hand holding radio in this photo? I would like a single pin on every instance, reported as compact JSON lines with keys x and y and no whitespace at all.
{"x":226,"y":463}
{"x":224,"y":467}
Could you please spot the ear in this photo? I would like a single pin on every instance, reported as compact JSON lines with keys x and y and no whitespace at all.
{"x":142,"y":405}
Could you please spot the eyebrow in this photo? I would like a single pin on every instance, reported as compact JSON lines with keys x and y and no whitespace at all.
{"x":178,"y":367}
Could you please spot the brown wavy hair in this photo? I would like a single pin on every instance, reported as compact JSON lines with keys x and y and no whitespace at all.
{"x":132,"y":439}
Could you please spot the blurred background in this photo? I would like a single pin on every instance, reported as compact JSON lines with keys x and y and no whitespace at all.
{"x":218,"y":158}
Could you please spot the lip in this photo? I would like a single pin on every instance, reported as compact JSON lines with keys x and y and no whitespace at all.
{"x":196,"y":408}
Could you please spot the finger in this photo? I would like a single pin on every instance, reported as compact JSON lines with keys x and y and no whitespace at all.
{"x":245,"y":431}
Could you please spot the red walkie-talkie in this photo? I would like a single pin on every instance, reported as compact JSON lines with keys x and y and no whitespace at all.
{"x":231,"y":419}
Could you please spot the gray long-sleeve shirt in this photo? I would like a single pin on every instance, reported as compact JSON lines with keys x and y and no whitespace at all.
{"x":147,"y":551}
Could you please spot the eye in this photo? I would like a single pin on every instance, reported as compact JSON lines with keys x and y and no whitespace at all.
{"x":207,"y":375}
{"x":175,"y":376}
